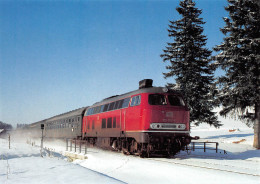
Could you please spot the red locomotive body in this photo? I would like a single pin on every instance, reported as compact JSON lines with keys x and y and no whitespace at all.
{"x":145,"y":121}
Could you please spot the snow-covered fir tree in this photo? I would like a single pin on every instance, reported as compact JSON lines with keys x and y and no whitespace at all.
{"x":239,"y":57}
{"x":189,"y":63}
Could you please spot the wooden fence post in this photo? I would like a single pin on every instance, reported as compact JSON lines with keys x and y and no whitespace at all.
{"x":71,"y":145}
{"x":67,"y":144}
{"x":79,"y":146}
{"x":75,"y":146}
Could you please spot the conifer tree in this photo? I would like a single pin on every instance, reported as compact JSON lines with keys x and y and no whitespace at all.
{"x":189,"y":63}
{"x":240,"y":58}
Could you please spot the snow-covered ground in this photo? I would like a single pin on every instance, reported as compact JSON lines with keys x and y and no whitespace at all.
{"x":239,"y":163}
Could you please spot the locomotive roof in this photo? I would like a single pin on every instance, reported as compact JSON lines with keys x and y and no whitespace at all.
{"x":139,"y":91}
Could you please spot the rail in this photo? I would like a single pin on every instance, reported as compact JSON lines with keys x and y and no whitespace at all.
{"x":203,"y":145}
{"x":75,"y":145}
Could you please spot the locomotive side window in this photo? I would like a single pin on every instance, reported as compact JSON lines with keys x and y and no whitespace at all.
{"x":88,"y":124}
{"x":102,"y":108}
{"x":109,"y":122}
{"x":126,"y":102}
{"x":136,"y":100}
{"x":157,"y":99}
{"x":104,"y":122}
{"x":176,"y":100}
{"x":120,"y":105}
{"x":117,"y":104}
{"x":93,"y":124}
{"x":105,"y":108}
{"x":114,"y":122}
{"x":95,"y":110}
{"x":111,"y":106}
{"x":133,"y":101}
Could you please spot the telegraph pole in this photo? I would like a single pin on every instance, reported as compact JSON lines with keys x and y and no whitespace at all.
{"x":42,"y":127}
{"x":9,"y":140}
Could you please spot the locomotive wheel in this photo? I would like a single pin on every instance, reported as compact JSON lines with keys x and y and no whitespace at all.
{"x":133,"y":147}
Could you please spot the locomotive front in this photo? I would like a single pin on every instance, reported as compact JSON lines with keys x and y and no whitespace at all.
{"x":165,"y":121}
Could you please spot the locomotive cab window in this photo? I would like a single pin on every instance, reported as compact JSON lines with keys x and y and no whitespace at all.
{"x":157,"y":99}
{"x":176,"y":100}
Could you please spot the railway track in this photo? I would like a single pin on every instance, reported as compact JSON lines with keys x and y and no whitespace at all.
{"x":210,"y":166}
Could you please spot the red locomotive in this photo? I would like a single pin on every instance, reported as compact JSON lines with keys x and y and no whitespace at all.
{"x":145,"y":121}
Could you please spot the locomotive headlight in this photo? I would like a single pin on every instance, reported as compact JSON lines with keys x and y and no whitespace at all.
{"x":155,"y":125}
{"x":182,"y":126}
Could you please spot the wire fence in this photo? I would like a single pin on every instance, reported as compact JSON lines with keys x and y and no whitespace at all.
{"x":77,"y":146}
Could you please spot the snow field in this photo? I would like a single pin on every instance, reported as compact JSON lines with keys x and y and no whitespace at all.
{"x":240,"y":165}
{"x":24,"y":164}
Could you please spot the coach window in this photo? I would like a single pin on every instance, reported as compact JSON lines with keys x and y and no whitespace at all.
{"x":109,"y":122}
{"x":78,"y":118}
{"x":104,"y":122}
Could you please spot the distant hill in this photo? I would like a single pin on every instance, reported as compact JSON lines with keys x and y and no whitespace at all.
{"x":5,"y":126}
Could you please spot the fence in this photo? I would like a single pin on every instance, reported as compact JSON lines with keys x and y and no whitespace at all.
{"x":79,"y":146}
{"x":203,"y":145}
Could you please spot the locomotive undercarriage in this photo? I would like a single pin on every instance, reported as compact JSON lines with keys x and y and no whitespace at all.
{"x":157,"y":145}
{"x":153,"y":144}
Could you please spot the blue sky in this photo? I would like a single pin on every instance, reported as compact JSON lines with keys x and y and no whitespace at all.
{"x":56,"y":56}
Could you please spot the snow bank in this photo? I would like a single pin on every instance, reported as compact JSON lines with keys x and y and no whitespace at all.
{"x":24,"y":164}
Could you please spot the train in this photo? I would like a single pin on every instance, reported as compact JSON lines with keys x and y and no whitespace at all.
{"x":143,"y":122}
